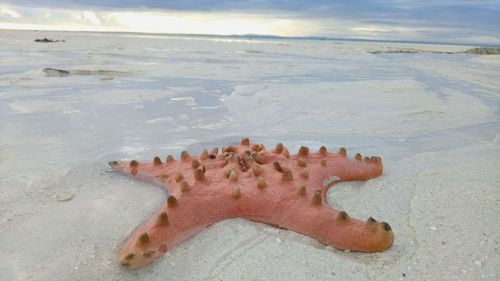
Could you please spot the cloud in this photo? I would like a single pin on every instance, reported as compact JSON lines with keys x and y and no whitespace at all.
{"x":155,"y":21}
{"x":6,"y":13}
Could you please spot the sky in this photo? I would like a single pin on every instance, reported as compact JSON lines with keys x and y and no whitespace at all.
{"x":447,"y":21}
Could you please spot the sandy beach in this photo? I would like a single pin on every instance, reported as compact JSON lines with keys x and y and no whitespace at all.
{"x":431,"y":113}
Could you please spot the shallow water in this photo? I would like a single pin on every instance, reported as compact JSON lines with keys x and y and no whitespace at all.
{"x":134,"y":97}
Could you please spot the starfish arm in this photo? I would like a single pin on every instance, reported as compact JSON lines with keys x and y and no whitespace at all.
{"x":317,"y":220}
{"x":191,"y":206}
{"x":336,"y":228}
{"x":299,"y":203}
{"x":173,"y":171}
{"x":172,"y":224}
{"x":150,"y":173}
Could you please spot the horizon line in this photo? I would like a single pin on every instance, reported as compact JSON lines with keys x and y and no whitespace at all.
{"x":267,"y":36}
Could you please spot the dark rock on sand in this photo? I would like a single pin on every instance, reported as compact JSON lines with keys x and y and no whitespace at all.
{"x":55,"y":72}
{"x":407,"y":51}
{"x":483,"y":51}
{"x":45,"y":40}
{"x":476,"y":51}
{"x":99,"y":72}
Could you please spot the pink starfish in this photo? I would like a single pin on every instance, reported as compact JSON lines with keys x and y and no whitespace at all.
{"x":247,"y":181}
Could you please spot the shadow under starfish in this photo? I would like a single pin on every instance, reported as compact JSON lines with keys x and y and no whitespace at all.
{"x":247,"y":181}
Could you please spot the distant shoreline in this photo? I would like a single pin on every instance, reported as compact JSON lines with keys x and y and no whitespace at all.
{"x":265,"y":37}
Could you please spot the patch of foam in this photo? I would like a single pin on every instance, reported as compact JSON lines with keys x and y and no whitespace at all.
{"x":168,"y":120}
{"x":190,"y":101}
{"x":205,"y":107}
{"x":40,"y":106}
{"x":127,"y":96}
{"x":183,"y":117}
{"x":133,"y":150}
{"x":208,"y":126}
{"x":496,"y":140}
{"x":182,"y":144}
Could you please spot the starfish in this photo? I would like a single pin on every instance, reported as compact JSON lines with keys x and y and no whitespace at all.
{"x":248,"y":181}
